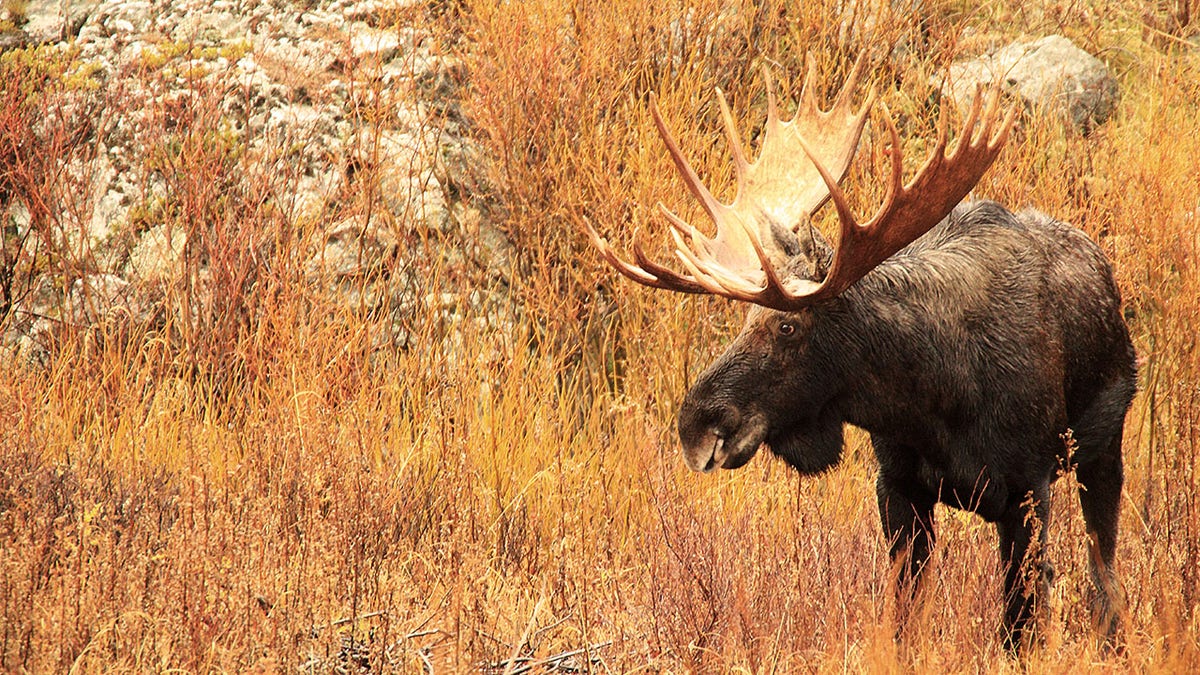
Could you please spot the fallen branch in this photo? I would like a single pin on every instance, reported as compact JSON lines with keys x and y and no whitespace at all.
{"x":524,"y":664}
{"x":360,"y":617}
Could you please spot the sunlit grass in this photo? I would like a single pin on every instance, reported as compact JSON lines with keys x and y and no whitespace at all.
{"x":264,"y":493}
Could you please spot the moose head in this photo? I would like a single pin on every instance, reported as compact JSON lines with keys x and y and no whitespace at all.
{"x":766,"y":252}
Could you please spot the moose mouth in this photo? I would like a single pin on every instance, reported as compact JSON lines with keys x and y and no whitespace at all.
{"x":718,"y":448}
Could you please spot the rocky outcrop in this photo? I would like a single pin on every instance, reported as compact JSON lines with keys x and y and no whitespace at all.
{"x":345,"y":95}
{"x":1050,"y":75}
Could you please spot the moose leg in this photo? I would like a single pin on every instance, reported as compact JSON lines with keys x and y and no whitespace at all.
{"x":1022,"y":531}
{"x":908,"y":527}
{"x":1100,"y":496}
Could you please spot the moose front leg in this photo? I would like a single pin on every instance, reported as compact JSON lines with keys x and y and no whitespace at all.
{"x":1027,"y":575}
{"x":908,"y":526}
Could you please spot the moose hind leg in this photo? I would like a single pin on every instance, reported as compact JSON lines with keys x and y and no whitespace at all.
{"x":908,"y":527}
{"x":1022,"y":530}
{"x":1100,"y":481}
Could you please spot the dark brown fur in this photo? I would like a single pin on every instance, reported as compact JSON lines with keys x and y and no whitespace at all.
{"x":968,"y":357}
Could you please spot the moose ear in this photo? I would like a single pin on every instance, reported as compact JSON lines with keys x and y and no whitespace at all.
{"x":787,"y":241}
{"x":820,"y":255}
{"x":807,"y":248}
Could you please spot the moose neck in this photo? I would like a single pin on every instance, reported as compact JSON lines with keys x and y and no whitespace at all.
{"x":888,"y":335}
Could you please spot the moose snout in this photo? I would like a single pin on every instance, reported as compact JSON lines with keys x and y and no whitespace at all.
{"x":702,"y":433}
{"x":719,"y":438}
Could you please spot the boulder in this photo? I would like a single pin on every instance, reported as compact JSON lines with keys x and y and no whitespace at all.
{"x":156,"y":257}
{"x":55,"y":20}
{"x":404,"y":162}
{"x":99,"y":298}
{"x":356,"y":262}
{"x":1050,"y":75}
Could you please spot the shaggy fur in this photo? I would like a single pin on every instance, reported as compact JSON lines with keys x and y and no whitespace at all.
{"x":969,"y":357}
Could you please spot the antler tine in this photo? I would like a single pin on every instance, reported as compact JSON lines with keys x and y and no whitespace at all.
{"x":706,"y":199}
{"x":637,"y":274}
{"x":731,"y":285}
{"x":645,"y":272}
{"x":1001,"y":135}
{"x":808,"y":94}
{"x":772,"y":104}
{"x":847,"y":91}
{"x":666,"y":278}
{"x":968,"y":136}
{"x":993,"y":104}
{"x":684,"y":227}
{"x":698,"y":269}
{"x":896,"y":179}
{"x":735,"y":141}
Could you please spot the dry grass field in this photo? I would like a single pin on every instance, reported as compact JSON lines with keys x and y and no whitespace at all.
{"x":250,"y":485}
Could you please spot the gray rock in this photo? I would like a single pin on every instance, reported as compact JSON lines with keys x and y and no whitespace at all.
{"x":156,"y":256}
{"x":352,"y":248}
{"x":135,"y":16}
{"x":98,"y":298}
{"x":373,"y":10}
{"x":357,"y":265}
{"x":305,"y":60}
{"x":108,"y":214}
{"x":404,"y":164}
{"x":16,"y":213}
{"x":56,"y":20}
{"x":1050,"y":74}
{"x":13,"y":39}
{"x":495,"y":252}
{"x":307,"y":199}
{"x":104,"y":209}
{"x":377,"y":45}
{"x":212,"y":27}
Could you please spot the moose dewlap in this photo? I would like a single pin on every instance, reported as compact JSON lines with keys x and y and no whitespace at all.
{"x":968,"y":340}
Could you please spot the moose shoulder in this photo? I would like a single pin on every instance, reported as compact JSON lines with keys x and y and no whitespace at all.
{"x":977,"y":346}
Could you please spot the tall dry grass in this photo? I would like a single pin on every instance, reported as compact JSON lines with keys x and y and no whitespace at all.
{"x":264,"y":491}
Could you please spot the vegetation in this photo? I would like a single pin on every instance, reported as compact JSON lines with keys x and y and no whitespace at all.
{"x":242,"y":480}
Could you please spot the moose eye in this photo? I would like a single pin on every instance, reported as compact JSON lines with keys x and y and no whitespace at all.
{"x":786,"y":329}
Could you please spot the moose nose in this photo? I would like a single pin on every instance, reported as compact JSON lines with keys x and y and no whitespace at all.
{"x":717,"y":444}
{"x":705,"y":434}
{"x":703,"y":451}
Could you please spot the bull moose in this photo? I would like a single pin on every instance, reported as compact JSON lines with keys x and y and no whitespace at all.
{"x":983,"y":350}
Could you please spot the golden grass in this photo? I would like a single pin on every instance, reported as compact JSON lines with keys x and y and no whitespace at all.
{"x":273,"y":494}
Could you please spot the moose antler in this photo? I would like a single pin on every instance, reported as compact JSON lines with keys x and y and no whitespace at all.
{"x":909,"y":211}
{"x":799,"y":167}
